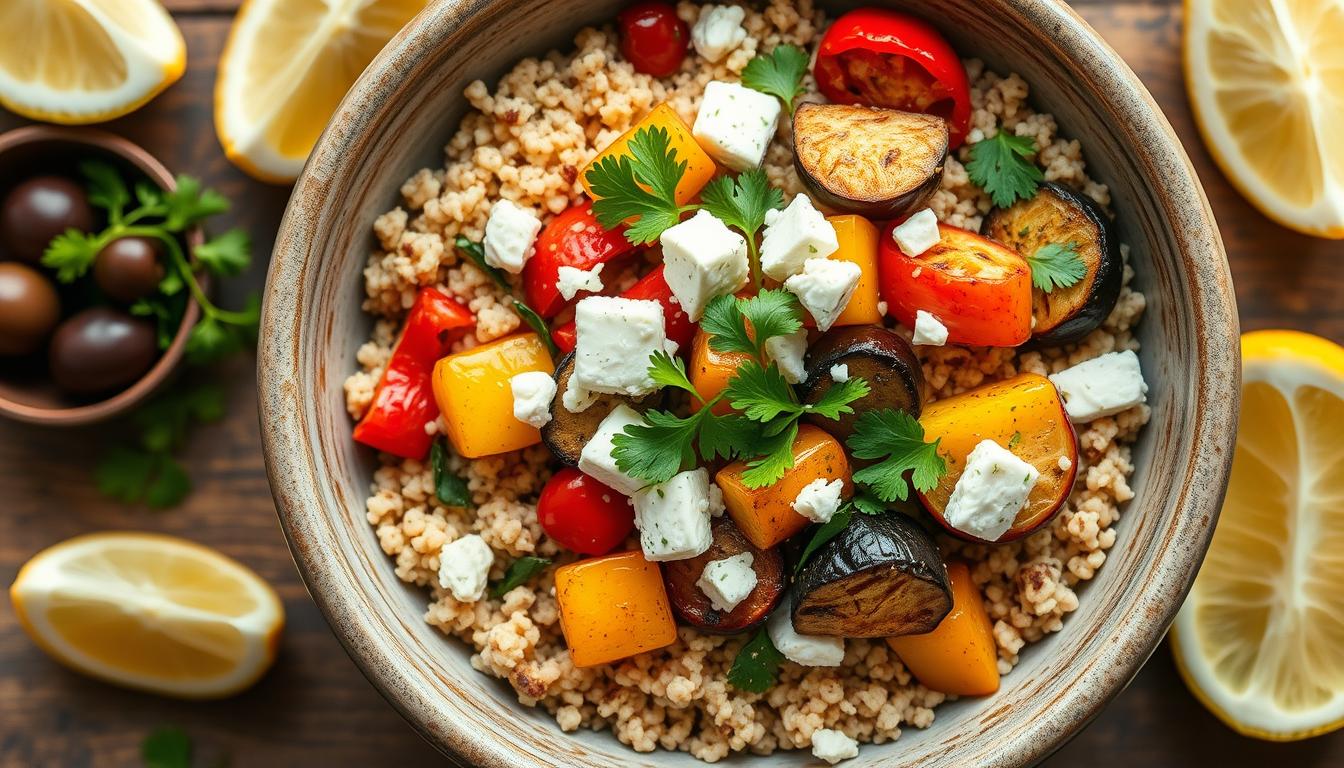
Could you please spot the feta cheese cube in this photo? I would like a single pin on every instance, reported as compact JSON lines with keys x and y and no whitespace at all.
{"x":673,"y":517}
{"x":794,"y":235}
{"x":929,"y":330}
{"x":735,"y":124}
{"x":702,"y":259}
{"x":716,"y":505}
{"x":616,"y":337}
{"x":509,"y":234}
{"x":464,"y":567}
{"x":570,"y":280}
{"x":840,"y":373}
{"x":596,"y":460}
{"x":533,"y":392}
{"x":727,"y":582}
{"x":819,"y":499}
{"x":917,"y":234}
{"x":718,"y":30}
{"x":824,"y":288}
{"x":1102,"y":386}
{"x":808,"y":650}
{"x":990,"y":491}
{"x":833,"y":746}
{"x":787,"y":352}
{"x":576,"y":399}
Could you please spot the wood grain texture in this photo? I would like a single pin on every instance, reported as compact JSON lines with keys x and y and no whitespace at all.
{"x":315,"y":708}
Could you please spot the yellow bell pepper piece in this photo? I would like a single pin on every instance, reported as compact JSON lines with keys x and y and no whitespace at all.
{"x":473,"y":392}
{"x":613,"y":607}
{"x":699,"y":166}
{"x":711,"y":370}
{"x":858,"y":244}
{"x":959,"y":657}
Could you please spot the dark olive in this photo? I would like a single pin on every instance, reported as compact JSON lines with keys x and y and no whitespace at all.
{"x":101,"y":349}
{"x":129,"y":268}
{"x":38,"y":210}
{"x":29,"y":309}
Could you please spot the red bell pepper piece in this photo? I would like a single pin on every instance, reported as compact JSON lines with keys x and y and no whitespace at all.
{"x":652,"y":287}
{"x":404,"y":400}
{"x":572,"y":239}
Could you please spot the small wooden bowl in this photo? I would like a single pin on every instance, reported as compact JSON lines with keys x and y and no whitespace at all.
{"x":30,"y":396}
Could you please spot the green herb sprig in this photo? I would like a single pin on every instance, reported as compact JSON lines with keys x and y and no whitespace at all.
{"x":778,"y":73}
{"x":639,"y":187}
{"x":448,"y":487}
{"x":1002,"y":166}
{"x":520,"y":572}
{"x":476,"y":253}
{"x":166,"y":747}
{"x":756,"y":665}
{"x":742,"y":203}
{"x":895,"y":440}
{"x":1056,"y":265}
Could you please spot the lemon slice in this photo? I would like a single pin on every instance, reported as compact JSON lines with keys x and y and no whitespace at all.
{"x":1266,"y":79}
{"x":1260,"y":639}
{"x":150,"y":612}
{"x":85,"y":61}
{"x":286,"y":67}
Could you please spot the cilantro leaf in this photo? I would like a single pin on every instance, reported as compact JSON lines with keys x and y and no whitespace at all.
{"x":226,"y":255}
{"x":106,"y":189}
{"x":756,"y":665}
{"x":448,"y":487}
{"x":775,"y":459}
{"x":519,"y":572}
{"x":727,"y":436}
{"x":71,"y":254}
{"x":744,"y":325}
{"x":668,"y":371}
{"x":866,"y":503}
{"x":1002,"y":167}
{"x":1056,"y":265}
{"x":166,"y":748}
{"x":723,"y":321}
{"x":897,"y":439}
{"x":639,"y":185}
{"x":761,"y":392}
{"x":219,"y":334}
{"x":658,"y":448}
{"x":476,"y":252}
{"x":778,"y":73}
{"x":835,"y":401}
{"x":170,"y":484}
{"x":742,"y":203}
{"x":824,"y":533}
{"x":122,"y":474}
{"x":190,"y":203}
{"x":538,"y":326}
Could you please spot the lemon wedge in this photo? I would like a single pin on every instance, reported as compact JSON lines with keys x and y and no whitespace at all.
{"x":150,"y":612}
{"x":85,"y":61}
{"x":285,"y":69}
{"x":1266,"y":80}
{"x":1260,"y":639}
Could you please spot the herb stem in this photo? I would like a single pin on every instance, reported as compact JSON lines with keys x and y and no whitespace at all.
{"x":188,"y":275}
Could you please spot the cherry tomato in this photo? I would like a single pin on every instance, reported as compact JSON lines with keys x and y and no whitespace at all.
{"x":582,"y":514}
{"x":572,"y":239}
{"x":653,"y":38}
{"x":979,"y":289}
{"x":885,"y":58}
{"x":653,"y":287}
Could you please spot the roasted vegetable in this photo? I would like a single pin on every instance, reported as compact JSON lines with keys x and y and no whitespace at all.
{"x":613,"y":607}
{"x":881,"y":576}
{"x":472,"y":389}
{"x":692,"y":605}
{"x":858,"y":244}
{"x":567,"y":432}
{"x":710,"y":371}
{"x":958,"y":658}
{"x":1023,"y":414}
{"x":1060,"y":217}
{"x":874,"y":162}
{"x":884,"y":359}
{"x":699,"y":166}
{"x":581,"y":514}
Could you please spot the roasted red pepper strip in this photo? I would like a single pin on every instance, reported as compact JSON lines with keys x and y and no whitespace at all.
{"x":572,"y":239}
{"x":404,"y":400}
{"x":651,"y":287}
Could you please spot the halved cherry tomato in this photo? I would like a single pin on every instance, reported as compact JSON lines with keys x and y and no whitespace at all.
{"x":572,"y":239}
{"x":582,"y":514}
{"x":885,"y":58}
{"x":652,"y":286}
{"x":653,"y":38}
{"x":979,"y":289}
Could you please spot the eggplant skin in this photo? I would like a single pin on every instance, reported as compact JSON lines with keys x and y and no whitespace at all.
{"x":881,"y":357}
{"x":693,"y":607}
{"x":880,"y":577}
{"x":566,"y":433}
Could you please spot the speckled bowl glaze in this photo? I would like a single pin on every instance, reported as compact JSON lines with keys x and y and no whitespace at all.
{"x":397,"y":119}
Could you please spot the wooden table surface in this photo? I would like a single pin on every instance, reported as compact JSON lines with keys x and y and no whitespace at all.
{"x":315,"y":708}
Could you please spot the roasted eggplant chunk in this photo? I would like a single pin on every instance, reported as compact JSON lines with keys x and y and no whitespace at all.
{"x":879,"y":163}
{"x":566,"y":433}
{"x":884,"y":359}
{"x":881,"y":576}
{"x":693,"y":607}
{"x":1060,"y":216}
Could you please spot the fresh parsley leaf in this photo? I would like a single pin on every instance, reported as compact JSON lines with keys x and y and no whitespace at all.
{"x":639,"y":185}
{"x":761,"y":392}
{"x":897,"y":439}
{"x":226,"y":255}
{"x":106,"y":188}
{"x":123,"y":473}
{"x":538,"y":326}
{"x":669,"y":371}
{"x":824,"y":533}
{"x":744,"y":325}
{"x":170,"y":484}
{"x":219,"y":334}
{"x":866,"y":503}
{"x":727,"y":436}
{"x":448,"y":487}
{"x":775,"y":459}
{"x":519,"y":572}
{"x":1002,"y":167}
{"x":1056,"y":265}
{"x":165,"y":320}
{"x":742,"y":203}
{"x":148,"y":195}
{"x":723,"y":321}
{"x":836,"y":400}
{"x":165,"y":421}
{"x":190,"y":203}
{"x":166,"y":748}
{"x":71,"y":254}
{"x":658,"y":448}
{"x":756,"y":665}
{"x":778,"y":73}
{"x":476,"y":252}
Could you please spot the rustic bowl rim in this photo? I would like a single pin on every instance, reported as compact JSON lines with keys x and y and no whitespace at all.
{"x":146,"y":385}
{"x":293,"y":462}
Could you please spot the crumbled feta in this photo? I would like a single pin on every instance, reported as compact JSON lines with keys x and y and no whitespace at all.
{"x":1102,"y":386}
{"x":533,"y":392}
{"x":702,"y":259}
{"x":716,"y":506}
{"x":576,"y":399}
{"x":570,"y":280}
{"x":990,"y":491}
{"x":673,"y":517}
{"x":918,"y":233}
{"x":787,"y":352}
{"x":718,"y":30}
{"x":882,"y":308}
{"x":824,"y":288}
{"x":840,"y":373}
{"x":616,"y":337}
{"x":464,"y":567}
{"x":1065,"y":463}
{"x":808,"y":650}
{"x":509,"y":234}
{"x":819,"y":499}
{"x":794,"y":235}
{"x":735,"y":124}
{"x":596,"y":460}
{"x":833,"y":746}
{"x":929,"y":330}
{"x":727,"y":582}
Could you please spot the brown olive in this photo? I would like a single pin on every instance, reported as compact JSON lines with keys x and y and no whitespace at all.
{"x":129,"y":268}
{"x":101,"y":349}
{"x":38,"y":210}
{"x":29,"y":309}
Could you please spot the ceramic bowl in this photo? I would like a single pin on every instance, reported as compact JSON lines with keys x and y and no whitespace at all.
{"x":396,"y":120}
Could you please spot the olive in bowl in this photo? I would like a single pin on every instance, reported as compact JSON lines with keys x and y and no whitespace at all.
{"x":29,"y":309}
{"x":129,"y":268}
{"x":38,"y":209}
{"x":101,"y":349}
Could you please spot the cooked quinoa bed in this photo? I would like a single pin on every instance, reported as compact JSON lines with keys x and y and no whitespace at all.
{"x":525,"y":140}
